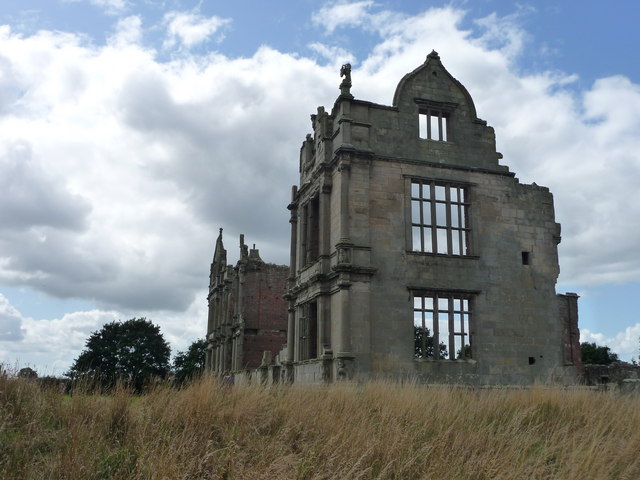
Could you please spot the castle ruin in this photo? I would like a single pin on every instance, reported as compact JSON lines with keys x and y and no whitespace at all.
{"x":414,"y":254}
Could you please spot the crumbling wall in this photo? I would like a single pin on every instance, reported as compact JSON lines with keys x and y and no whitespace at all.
{"x":613,"y":374}
{"x":265,"y":313}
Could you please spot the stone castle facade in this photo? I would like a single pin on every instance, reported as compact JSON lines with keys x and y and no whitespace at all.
{"x":415,"y":253}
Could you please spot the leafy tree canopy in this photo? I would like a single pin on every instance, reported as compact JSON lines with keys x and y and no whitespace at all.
{"x":133,"y":352}
{"x":190,"y":364}
{"x":595,"y":355}
{"x":27,"y":372}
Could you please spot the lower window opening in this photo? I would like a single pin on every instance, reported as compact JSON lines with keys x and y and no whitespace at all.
{"x":441,"y":326}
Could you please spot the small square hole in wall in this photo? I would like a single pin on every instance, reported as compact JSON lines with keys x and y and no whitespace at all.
{"x":532,"y":360}
{"x":526,"y":258}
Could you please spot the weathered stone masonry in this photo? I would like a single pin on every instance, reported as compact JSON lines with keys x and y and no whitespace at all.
{"x":415,"y":253}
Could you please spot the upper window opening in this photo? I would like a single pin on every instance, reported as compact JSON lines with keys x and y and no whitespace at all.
{"x":434,"y":119}
{"x":439,"y":218}
{"x":433,"y":125}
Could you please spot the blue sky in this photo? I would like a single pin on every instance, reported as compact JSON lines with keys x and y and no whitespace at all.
{"x":130,"y":131}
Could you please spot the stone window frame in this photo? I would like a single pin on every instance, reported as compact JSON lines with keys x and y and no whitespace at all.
{"x":308,"y":331}
{"x":439,"y":212}
{"x":435,"y":115}
{"x":309,"y":234}
{"x":429,"y":307}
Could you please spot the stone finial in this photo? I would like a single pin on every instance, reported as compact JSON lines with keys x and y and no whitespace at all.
{"x":345,"y":86}
{"x":434,"y":55}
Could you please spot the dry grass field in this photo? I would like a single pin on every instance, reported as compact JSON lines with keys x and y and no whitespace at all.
{"x":373,"y":431}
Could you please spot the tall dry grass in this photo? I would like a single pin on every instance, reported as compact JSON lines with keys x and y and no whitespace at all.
{"x":385,"y":431}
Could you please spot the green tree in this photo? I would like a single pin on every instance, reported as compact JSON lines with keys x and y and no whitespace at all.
{"x":595,"y":355}
{"x":423,"y":344}
{"x":132,"y":352}
{"x":27,"y":372}
{"x":190,"y":364}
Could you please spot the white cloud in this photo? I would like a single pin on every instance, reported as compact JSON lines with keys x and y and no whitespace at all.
{"x":34,"y":198}
{"x":10,"y":321}
{"x":128,"y":31}
{"x":358,"y":14}
{"x":503,"y":33}
{"x":190,"y":29}
{"x":111,"y":7}
{"x":626,"y":343}
{"x":340,"y":13}
{"x":335,"y":55}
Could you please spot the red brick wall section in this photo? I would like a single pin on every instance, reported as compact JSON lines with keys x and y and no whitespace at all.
{"x":264,"y":307}
{"x":571,"y":332}
{"x":254,"y":345}
{"x":265,"y":312}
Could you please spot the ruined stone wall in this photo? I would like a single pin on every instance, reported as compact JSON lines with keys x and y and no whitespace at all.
{"x":247,"y":312}
{"x":361,"y":162}
{"x":516,"y":330}
{"x":613,"y":374}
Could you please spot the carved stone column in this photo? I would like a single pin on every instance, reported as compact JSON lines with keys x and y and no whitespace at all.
{"x":345,"y":169}
{"x":293,"y":220}
{"x":291,"y":332}
{"x":343,"y":349}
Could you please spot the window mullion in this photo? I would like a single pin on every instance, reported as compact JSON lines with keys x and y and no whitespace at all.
{"x":423,"y":343}
{"x":436,"y":328}
{"x":434,"y":220}
{"x":464,"y":206}
{"x":421,"y":219}
{"x":447,"y":197}
{"x":452,"y":331}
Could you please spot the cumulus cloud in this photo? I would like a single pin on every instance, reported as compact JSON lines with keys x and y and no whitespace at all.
{"x":10,"y":321}
{"x":128,"y":31}
{"x":190,"y":28}
{"x":359,"y":14}
{"x":32,"y":197}
{"x":126,"y":166}
{"x":626,"y":343}
{"x":334,"y":54}
{"x":48,"y":345}
{"x":341,"y":13}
